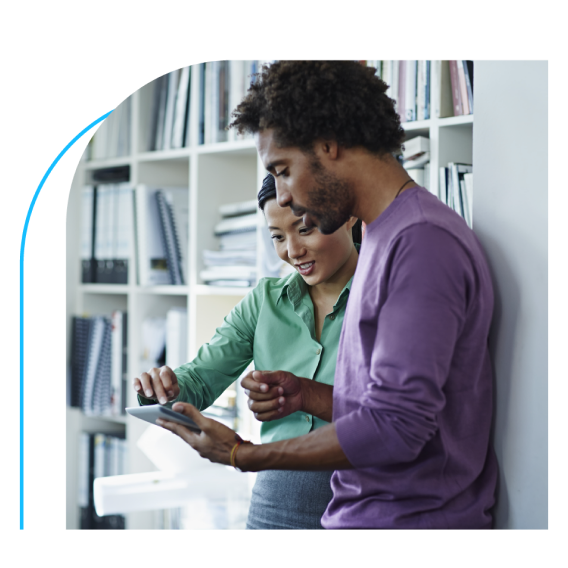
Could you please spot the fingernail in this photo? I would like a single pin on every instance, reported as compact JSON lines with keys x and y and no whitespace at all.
{"x":280,"y":409}
{"x":247,"y":392}
{"x":149,"y":392}
{"x":170,"y":393}
{"x":280,"y":390}
{"x":281,"y":400}
{"x":137,"y":387}
{"x":263,"y":388}
{"x":163,"y":400}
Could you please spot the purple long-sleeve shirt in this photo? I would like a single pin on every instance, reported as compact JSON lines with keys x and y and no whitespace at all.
{"x":412,"y":398}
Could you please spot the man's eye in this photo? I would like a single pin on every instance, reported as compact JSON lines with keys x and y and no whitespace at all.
{"x":305,"y":231}
{"x":281,"y":172}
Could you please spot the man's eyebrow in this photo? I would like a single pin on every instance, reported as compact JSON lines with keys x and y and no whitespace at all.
{"x":272,"y":165}
{"x":297,"y":222}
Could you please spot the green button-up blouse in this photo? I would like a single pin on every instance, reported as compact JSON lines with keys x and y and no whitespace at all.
{"x":273,"y":326}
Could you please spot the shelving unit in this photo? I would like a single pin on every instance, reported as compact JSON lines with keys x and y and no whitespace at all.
{"x":215,"y":174}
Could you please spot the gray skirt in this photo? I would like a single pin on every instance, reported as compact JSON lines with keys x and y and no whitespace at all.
{"x":289,"y":499}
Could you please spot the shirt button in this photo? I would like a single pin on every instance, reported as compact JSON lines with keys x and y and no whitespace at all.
{"x":318,"y":351}
{"x":332,"y":317}
{"x":307,"y":418}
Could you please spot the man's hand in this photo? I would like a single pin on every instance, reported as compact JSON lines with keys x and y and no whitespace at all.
{"x":273,"y":394}
{"x":215,"y":441}
{"x":160,"y":385}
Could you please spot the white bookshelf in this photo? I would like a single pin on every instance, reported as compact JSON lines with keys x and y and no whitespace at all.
{"x":215,"y":174}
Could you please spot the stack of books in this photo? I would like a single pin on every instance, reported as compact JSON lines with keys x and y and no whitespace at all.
{"x":170,"y":111}
{"x":99,"y":364}
{"x":100,"y":455}
{"x":234,"y":264}
{"x":223,"y":86}
{"x":106,"y":233}
{"x":456,"y":189}
{"x":425,"y":89}
{"x":416,"y":160}
{"x":112,"y":139}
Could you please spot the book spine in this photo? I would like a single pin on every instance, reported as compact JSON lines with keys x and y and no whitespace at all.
{"x":427,"y":89}
{"x":410,"y":88}
{"x":455,"y":88}
{"x":468,"y":71}
{"x":463,"y":88}
{"x":402,"y":90}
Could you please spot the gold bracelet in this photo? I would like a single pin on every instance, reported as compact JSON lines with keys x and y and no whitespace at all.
{"x":234,"y":452}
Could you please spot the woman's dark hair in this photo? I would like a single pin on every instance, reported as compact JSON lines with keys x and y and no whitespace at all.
{"x":305,"y":101}
{"x":268,"y":191}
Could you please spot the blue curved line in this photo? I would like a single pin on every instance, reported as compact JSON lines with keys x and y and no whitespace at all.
{"x":22,"y":247}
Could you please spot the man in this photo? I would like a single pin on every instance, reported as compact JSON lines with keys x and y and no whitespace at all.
{"x":412,"y":402}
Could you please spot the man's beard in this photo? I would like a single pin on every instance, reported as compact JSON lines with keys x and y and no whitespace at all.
{"x":330,"y":202}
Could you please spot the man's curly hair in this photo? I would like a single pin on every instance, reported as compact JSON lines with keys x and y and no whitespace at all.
{"x":304,"y":101}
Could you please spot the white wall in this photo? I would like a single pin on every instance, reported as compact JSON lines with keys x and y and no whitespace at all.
{"x":510,"y":216}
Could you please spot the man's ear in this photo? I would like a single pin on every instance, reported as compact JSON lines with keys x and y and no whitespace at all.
{"x":329,"y":149}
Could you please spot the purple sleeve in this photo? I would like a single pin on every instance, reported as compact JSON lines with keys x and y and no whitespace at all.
{"x":423,"y":299}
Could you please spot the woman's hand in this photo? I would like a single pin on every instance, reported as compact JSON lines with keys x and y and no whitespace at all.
{"x":215,"y":441}
{"x":160,"y":385}
{"x":273,"y":394}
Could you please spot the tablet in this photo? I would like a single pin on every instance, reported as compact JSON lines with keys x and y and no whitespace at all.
{"x":154,"y":411}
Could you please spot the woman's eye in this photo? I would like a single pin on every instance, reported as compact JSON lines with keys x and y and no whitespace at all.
{"x":275,"y":237}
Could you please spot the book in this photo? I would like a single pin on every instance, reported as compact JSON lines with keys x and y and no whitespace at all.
{"x":96,"y":454}
{"x":234,"y":241}
{"x":170,"y":239}
{"x":87,"y":234}
{"x":181,"y":108}
{"x":119,"y":370}
{"x":228,"y":257}
{"x":173,"y":81}
{"x":417,"y":161}
{"x":241,"y":223}
{"x":427,"y":89}
{"x":443,"y":185}
{"x":468,"y":192}
{"x":463,"y":88}
{"x":456,"y":172}
{"x":415,"y":146}
{"x":80,"y":338}
{"x":456,"y":96}
{"x":401,"y":98}
{"x":159,"y":112}
{"x":421,"y":90}
{"x":240,"y":208}
{"x":468,"y":72}
{"x":151,"y":252}
{"x":441,"y":90}
{"x":410,"y":90}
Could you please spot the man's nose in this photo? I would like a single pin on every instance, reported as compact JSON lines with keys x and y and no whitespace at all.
{"x":283,"y":197}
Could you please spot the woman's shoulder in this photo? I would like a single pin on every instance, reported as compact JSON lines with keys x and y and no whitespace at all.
{"x":273,"y":286}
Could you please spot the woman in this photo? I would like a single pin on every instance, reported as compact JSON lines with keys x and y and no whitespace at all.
{"x":291,"y":324}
